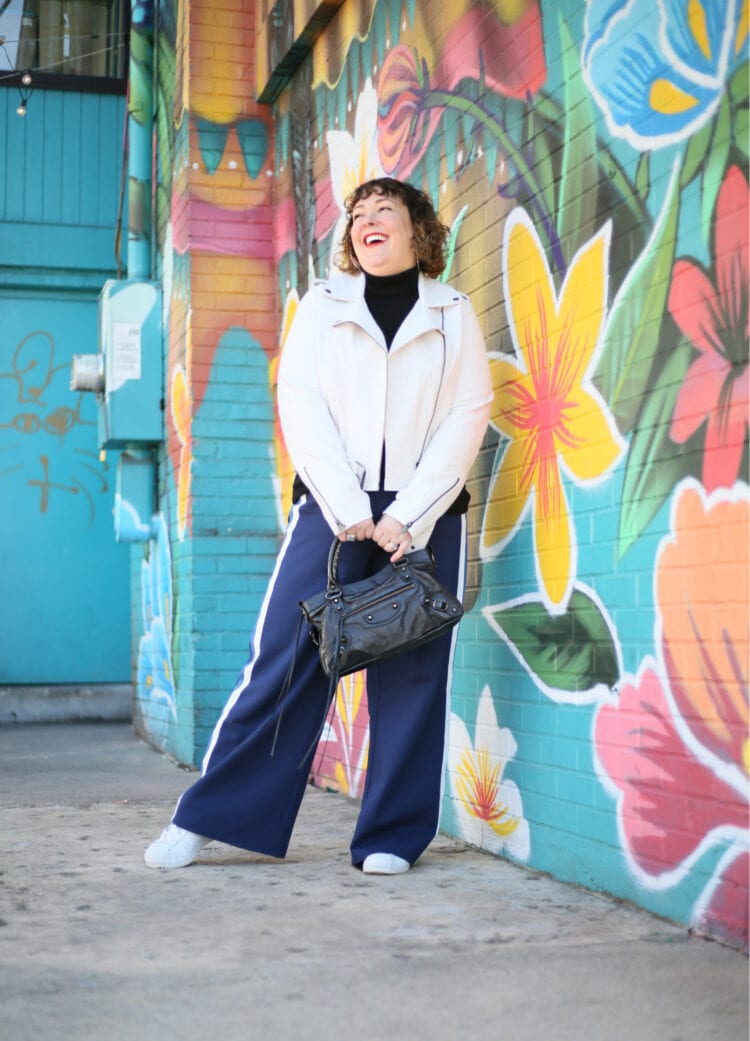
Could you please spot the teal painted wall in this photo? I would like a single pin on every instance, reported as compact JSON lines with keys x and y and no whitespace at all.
{"x":63,"y":579}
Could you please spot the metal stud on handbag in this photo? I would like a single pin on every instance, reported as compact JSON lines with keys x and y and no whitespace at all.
{"x":402,"y":606}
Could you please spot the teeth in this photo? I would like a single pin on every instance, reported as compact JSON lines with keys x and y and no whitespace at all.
{"x":369,"y":239}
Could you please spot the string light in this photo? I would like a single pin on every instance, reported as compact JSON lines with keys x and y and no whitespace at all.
{"x":26,"y":82}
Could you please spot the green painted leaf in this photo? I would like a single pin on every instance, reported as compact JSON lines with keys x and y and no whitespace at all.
{"x":696,"y":152}
{"x":634,"y":324}
{"x":450,"y":246}
{"x":490,"y":157}
{"x":715,"y":166}
{"x":568,"y":655}
{"x":450,"y":143}
{"x":643,"y":176}
{"x":741,"y":134}
{"x":655,"y":463}
{"x":739,"y":84}
{"x":579,"y":179}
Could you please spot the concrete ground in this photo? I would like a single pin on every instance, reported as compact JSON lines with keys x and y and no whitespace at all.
{"x":239,"y":947}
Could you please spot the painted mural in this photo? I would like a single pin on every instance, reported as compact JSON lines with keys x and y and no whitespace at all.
{"x":591,"y":160}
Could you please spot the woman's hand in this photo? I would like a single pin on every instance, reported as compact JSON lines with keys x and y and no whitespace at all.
{"x":358,"y":532}
{"x":391,"y":536}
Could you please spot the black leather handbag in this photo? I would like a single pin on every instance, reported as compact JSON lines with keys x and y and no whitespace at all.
{"x":402,"y":606}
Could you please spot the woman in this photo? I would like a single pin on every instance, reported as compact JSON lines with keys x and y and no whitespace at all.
{"x":384,"y":395}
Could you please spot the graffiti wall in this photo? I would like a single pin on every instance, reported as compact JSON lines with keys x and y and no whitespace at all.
{"x":591,"y":162}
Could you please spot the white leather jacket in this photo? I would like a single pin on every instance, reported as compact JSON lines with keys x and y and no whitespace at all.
{"x":343,"y":395}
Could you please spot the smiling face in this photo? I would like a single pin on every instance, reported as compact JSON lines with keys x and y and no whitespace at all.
{"x":383,"y":235}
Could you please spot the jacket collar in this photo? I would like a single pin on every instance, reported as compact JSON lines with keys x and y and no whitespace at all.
{"x":349,"y":292}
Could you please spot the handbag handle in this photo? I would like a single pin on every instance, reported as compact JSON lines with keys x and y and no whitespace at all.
{"x":333,"y":564}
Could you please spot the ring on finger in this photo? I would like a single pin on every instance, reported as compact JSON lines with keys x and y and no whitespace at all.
{"x":392,"y":544}
{"x":351,"y":538}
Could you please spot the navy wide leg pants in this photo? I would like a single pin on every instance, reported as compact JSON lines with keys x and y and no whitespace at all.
{"x":247,"y":796}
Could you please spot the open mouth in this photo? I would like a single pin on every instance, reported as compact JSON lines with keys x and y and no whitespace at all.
{"x":374,"y":238}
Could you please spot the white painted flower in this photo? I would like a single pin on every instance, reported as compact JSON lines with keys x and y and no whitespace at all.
{"x":488,"y":809}
{"x":353,"y":159}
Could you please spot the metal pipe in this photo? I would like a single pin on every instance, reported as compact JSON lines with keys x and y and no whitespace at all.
{"x":140,"y":117}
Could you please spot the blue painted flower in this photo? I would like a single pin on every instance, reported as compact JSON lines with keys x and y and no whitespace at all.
{"x":155,"y":681}
{"x":657,"y":68}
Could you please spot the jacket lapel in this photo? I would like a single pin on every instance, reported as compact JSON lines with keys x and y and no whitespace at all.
{"x":426,"y":315}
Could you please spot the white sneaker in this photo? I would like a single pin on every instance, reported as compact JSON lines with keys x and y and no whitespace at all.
{"x":385,"y":864}
{"x":174,"y":848}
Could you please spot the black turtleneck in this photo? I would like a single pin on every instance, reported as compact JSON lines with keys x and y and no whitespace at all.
{"x":390,"y":298}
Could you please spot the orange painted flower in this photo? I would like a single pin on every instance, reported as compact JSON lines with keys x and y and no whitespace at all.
{"x":702,"y":590}
{"x":673,"y":747}
{"x":545,"y":402}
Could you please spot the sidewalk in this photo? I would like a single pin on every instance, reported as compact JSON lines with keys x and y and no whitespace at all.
{"x":240,"y":947}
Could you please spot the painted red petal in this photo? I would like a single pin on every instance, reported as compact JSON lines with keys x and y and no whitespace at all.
{"x":732,"y":248}
{"x":671,"y":801}
{"x":694,"y":305}
{"x":725,"y":438}
{"x":727,"y":914}
{"x":698,"y":395}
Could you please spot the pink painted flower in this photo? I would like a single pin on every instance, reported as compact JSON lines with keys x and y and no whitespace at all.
{"x":341,"y":759}
{"x":405,"y":123}
{"x":674,"y":748}
{"x":712,"y":312}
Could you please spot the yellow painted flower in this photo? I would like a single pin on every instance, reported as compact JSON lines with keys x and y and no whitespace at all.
{"x":488,"y":808}
{"x":284,"y":476}
{"x":545,"y":402}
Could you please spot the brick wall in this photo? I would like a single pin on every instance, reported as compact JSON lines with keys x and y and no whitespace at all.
{"x":600,"y":704}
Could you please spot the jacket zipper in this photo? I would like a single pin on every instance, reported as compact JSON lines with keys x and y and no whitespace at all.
{"x":439,"y":388}
{"x":425,"y":510}
{"x":322,"y":498}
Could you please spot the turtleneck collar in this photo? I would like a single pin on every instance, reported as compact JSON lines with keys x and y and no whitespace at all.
{"x":404,"y":283}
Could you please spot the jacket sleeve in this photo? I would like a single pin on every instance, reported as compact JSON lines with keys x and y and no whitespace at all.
{"x":309,"y":429}
{"x":453,"y":446}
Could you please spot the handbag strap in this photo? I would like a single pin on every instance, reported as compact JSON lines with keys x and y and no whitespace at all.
{"x":331,"y":693}
{"x":285,"y":686}
{"x":333,"y":565}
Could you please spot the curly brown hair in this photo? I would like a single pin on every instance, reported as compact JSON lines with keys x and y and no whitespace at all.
{"x":430,"y":234}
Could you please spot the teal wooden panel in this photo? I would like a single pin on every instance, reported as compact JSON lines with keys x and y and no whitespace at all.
{"x":52,"y":194}
{"x":64,"y":581}
{"x":89,"y":188}
{"x":70,"y":159}
{"x":60,"y":168}
{"x":13,"y":158}
{"x":36,"y":146}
